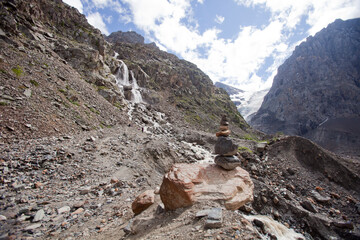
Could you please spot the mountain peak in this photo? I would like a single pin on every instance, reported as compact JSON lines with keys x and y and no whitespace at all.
{"x":127,"y":37}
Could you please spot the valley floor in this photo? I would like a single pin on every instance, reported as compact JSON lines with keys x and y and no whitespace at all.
{"x":82,"y":187}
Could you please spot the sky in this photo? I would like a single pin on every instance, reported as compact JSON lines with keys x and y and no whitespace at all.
{"x":237,"y":42}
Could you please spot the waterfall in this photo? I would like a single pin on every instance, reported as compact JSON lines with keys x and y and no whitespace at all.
{"x":122,"y":75}
{"x":136,"y":95}
{"x":123,"y":82}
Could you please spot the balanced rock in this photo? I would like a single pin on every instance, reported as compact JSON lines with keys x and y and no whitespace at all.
{"x":225,"y":146}
{"x":228,"y":163}
{"x":224,"y":133}
{"x":143,"y":201}
{"x":186,"y":184}
{"x":224,"y":121}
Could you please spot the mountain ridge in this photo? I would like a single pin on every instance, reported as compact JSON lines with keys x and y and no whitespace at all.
{"x":320,"y":81}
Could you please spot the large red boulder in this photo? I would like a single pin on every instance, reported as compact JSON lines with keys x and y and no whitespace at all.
{"x":186,"y":184}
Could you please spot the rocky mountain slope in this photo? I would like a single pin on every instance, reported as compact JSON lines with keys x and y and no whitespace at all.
{"x":88,"y":125}
{"x":317,"y":90}
{"x":58,"y":69}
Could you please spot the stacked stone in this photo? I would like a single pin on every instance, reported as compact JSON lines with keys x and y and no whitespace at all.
{"x":225,"y":148}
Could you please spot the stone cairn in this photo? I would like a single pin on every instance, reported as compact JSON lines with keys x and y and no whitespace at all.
{"x":225,"y":148}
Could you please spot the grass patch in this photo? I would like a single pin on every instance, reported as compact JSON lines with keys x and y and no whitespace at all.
{"x":102,"y":88}
{"x":3,"y":103}
{"x":74,"y":102}
{"x":250,"y":137}
{"x":62,"y":91}
{"x":118,"y":105}
{"x":35,"y":83}
{"x":18,"y":71}
{"x":2,"y":70}
{"x":244,"y":149}
{"x":103,"y":125}
{"x":92,"y":109}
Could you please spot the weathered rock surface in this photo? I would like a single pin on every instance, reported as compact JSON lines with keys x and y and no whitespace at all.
{"x":225,"y":146}
{"x":186,"y":184}
{"x":317,"y":90}
{"x":143,"y":201}
{"x":228,"y":163}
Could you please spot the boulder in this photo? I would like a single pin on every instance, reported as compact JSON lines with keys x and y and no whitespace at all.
{"x":186,"y":184}
{"x":228,"y":163}
{"x":143,"y":201}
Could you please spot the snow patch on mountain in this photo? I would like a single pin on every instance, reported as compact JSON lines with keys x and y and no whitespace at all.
{"x":247,"y":102}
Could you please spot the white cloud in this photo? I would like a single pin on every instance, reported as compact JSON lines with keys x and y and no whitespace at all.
{"x":96,"y":20}
{"x":219,"y":19}
{"x":76,"y":4}
{"x":108,"y":19}
{"x":318,"y":13}
{"x":171,"y":24}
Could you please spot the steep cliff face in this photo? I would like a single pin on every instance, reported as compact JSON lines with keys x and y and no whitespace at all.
{"x":318,"y":83}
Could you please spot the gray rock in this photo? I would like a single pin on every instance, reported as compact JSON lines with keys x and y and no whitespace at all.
{"x":32,"y":227}
{"x":39,"y":215}
{"x":228,"y":163}
{"x":64,"y":209}
{"x":225,"y":146}
{"x":2,"y":33}
{"x":85,"y":190}
{"x":27,"y":92}
{"x":308,"y":206}
{"x":318,"y":197}
{"x":214,"y":218}
{"x":260,"y":147}
{"x":344,"y":225}
{"x":202,"y":213}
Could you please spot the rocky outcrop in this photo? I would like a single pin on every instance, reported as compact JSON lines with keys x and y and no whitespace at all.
{"x":186,"y":184}
{"x":320,"y":82}
{"x":128,"y":37}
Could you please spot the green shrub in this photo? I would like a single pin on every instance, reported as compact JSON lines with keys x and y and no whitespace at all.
{"x":35,"y":83}
{"x":244,"y":149}
{"x":249,"y":137}
{"x":18,"y":71}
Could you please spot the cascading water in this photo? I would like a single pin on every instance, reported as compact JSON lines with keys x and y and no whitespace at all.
{"x":122,"y":75}
{"x":275,"y":228}
{"x":137,"y":110}
{"x":123,"y":82}
{"x":136,"y":95}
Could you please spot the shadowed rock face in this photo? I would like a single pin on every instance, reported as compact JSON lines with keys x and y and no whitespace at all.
{"x":318,"y":83}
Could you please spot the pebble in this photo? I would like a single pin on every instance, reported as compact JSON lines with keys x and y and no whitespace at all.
{"x":32,"y":227}
{"x":2,"y":218}
{"x":77,"y":211}
{"x":39,"y":215}
{"x":64,"y":209}
{"x":85,"y":190}
{"x":38,"y":184}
